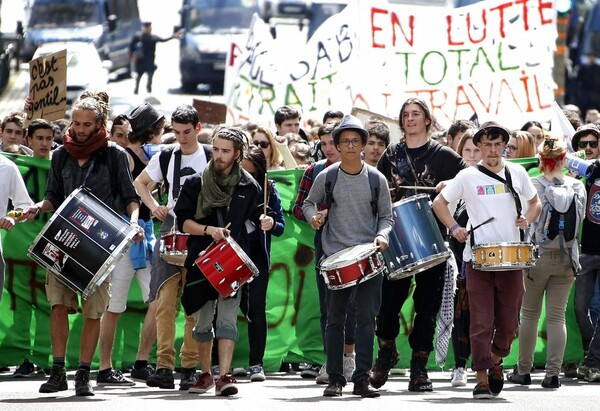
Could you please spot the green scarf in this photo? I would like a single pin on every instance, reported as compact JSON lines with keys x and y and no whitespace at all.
{"x":216,"y":189}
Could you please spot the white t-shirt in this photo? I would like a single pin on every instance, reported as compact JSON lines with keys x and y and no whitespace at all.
{"x":12,"y":187}
{"x":191,"y":164}
{"x":487,"y":197}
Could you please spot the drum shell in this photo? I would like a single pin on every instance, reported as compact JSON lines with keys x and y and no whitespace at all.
{"x":226,"y":266}
{"x":348,"y":267}
{"x":504,"y":256}
{"x":82,"y":242}
{"x":416,"y":242}
{"x":173,"y":248}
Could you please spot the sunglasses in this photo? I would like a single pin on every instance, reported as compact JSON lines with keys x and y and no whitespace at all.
{"x":261,"y":144}
{"x":584,"y":144}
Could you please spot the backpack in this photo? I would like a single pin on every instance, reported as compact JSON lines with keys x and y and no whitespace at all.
{"x":331,"y":178}
{"x":165,"y":157}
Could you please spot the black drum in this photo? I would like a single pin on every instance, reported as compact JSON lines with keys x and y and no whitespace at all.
{"x":82,"y":242}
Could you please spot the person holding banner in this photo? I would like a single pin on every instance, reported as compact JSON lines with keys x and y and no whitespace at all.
{"x":352,"y":197}
{"x":172,"y":167}
{"x":491,"y":189}
{"x":86,"y":148}
{"x":225,"y":195}
{"x":416,"y":160}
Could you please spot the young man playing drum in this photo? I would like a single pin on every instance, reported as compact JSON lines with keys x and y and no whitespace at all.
{"x":494,"y":297}
{"x":416,"y":160}
{"x":351,"y":198}
{"x":225,"y":195}
{"x":173,"y":168}
{"x":84,"y":160}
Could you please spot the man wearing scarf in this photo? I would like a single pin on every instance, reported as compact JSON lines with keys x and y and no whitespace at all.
{"x":85,"y":159}
{"x":225,"y":194}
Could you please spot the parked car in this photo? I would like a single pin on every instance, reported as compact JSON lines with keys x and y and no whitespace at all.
{"x":85,"y":69}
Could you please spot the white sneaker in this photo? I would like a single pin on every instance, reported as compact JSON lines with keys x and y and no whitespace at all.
{"x":257,"y":373}
{"x":349,"y":365}
{"x":459,"y":377}
{"x":322,"y":377}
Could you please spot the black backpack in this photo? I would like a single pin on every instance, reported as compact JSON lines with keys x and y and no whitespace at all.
{"x":331,"y":178}
{"x":165,"y":157}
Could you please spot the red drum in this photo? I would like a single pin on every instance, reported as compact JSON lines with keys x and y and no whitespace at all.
{"x":173,"y":248}
{"x":226,"y":266}
{"x":351,"y":266}
{"x":82,"y":242}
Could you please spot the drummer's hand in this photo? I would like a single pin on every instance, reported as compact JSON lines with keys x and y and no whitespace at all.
{"x":381,"y":243}
{"x":522,"y":222}
{"x":217,"y":233}
{"x":317,"y":220}
{"x":461,"y":234}
{"x":139,"y":232}
{"x":30,"y":213}
{"x":440,"y":186}
{"x":7,"y":223}
{"x":160,"y":212}
{"x":266,"y":222}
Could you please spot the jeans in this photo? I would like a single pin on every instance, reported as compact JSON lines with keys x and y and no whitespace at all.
{"x":553,"y":278}
{"x":165,"y":329}
{"x":585,"y":285}
{"x":368,"y":299}
{"x":495,"y":301}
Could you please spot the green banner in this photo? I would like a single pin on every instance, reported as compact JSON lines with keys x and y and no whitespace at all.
{"x":292,"y":301}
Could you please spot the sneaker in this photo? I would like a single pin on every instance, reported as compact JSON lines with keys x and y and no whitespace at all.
{"x":203,"y":383}
{"x":419,"y":380}
{"x":239,"y":372}
{"x":141,"y":374}
{"x":310,"y":371}
{"x":323,"y":377}
{"x":26,"y":369}
{"x":215,"y":372}
{"x":551,"y":382}
{"x":581,"y":372}
{"x":516,"y":378}
{"x":188,"y":378}
{"x":257,"y":373}
{"x":113,"y":378}
{"x":57,"y":381}
{"x":592,"y":374}
{"x":459,"y":377}
{"x":570,"y":371}
{"x":349,"y":366}
{"x":83,"y":387}
{"x":496,"y":378}
{"x":364,"y":389}
{"x":386,"y":359}
{"x":226,"y":386}
{"x":482,"y":392}
{"x":334,"y":389}
{"x":162,"y":378}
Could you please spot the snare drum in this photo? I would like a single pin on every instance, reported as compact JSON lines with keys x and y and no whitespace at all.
{"x":173,"y":248}
{"x":82,"y":242}
{"x":351,"y":266}
{"x":416,"y":243}
{"x":226,"y":266}
{"x":504,"y":256}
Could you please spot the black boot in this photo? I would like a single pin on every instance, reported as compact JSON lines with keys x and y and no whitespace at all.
{"x":419,"y":380}
{"x":386,"y":359}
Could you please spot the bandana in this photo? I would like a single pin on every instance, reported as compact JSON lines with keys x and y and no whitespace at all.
{"x":81,"y":151}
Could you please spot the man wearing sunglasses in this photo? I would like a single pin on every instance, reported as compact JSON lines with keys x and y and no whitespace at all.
{"x":586,"y":138}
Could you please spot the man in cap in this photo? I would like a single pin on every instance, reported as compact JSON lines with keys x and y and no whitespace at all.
{"x":172,"y":167}
{"x":492,"y":189}
{"x":352,"y":198}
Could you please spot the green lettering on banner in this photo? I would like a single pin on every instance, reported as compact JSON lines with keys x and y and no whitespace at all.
{"x":294,"y":332}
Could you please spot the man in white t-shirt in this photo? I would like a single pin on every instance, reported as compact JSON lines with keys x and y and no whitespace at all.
{"x":494,"y":297}
{"x":172,"y":166}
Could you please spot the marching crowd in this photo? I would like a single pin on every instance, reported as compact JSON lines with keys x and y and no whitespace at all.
{"x":218,"y":191}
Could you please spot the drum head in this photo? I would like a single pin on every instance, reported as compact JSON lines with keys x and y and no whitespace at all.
{"x":242,"y":254}
{"x":348,"y":256}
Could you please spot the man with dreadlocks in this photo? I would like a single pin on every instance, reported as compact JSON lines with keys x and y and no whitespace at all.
{"x":224,"y":195}
{"x":86,"y":159}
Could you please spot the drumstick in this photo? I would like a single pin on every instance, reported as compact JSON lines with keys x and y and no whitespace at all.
{"x":489,"y":220}
{"x":417,"y":187}
{"x":265,"y":196}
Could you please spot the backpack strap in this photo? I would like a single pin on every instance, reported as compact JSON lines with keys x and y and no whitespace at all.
{"x":331,"y":178}
{"x":374,"y":185}
{"x":164,"y":157}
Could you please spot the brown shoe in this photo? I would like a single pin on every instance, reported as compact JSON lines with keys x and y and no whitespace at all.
{"x":204,"y":382}
{"x":386,"y":359}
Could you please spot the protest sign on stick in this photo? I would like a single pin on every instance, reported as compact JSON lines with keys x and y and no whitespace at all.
{"x":48,"y":86}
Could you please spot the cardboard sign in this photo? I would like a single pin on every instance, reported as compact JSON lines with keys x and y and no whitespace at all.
{"x":48,"y":86}
{"x":210,"y":113}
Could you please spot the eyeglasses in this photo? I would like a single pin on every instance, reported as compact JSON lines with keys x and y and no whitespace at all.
{"x":511,"y":148}
{"x":584,"y":144}
{"x":346,"y":142}
{"x":261,"y":144}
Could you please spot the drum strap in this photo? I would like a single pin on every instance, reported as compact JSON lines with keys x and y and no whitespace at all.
{"x":508,"y":184}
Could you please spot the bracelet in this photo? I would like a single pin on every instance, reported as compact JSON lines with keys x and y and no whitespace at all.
{"x":205,"y":228}
{"x":454,"y":227}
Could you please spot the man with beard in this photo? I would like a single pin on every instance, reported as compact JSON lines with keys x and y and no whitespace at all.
{"x":85,"y":159}
{"x":492,"y":189}
{"x":416,"y":161}
{"x":225,"y":195}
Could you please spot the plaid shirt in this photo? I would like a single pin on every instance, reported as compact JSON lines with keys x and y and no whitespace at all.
{"x":304,"y":188}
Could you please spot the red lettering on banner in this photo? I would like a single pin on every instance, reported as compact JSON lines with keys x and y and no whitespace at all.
{"x":407,"y":30}
{"x":234,"y":54}
{"x":375,"y":29}
{"x":543,"y":6}
{"x":411,"y":25}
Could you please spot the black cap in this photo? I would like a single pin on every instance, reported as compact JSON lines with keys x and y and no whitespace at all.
{"x":144,"y":116}
{"x":490,"y":127}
